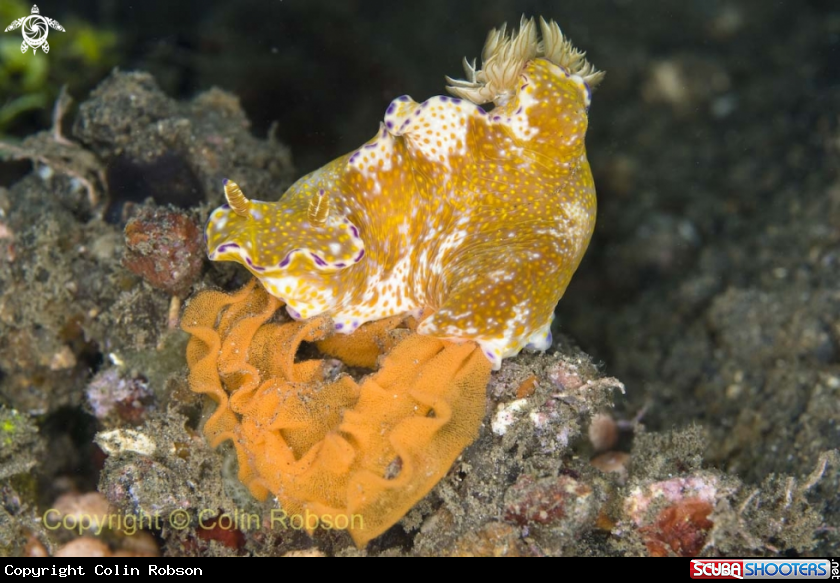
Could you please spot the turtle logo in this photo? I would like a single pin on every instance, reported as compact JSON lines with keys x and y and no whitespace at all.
{"x":35,"y":30}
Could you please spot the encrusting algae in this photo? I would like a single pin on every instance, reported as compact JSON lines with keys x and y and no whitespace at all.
{"x":471,"y":222}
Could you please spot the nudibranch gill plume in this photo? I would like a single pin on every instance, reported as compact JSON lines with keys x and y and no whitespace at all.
{"x":476,"y":219}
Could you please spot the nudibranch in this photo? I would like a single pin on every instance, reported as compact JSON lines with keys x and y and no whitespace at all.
{"x":478,"y":218}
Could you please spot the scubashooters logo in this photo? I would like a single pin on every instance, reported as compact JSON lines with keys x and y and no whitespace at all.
{"x":35,"y":29}
{"x":761,"y":569}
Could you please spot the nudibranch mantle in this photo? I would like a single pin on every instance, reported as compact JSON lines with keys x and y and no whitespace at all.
{"x":479,"y":218}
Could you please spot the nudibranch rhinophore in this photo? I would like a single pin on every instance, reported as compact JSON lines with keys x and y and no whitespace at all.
{"x":479,"y":217}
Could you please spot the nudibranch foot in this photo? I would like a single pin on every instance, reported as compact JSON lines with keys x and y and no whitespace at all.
{"x":541,"y":340}
{"x":497,"y":301}
{"x":495,"y":349}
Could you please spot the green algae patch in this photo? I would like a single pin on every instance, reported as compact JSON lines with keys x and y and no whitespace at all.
{"x":20,"y":443}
